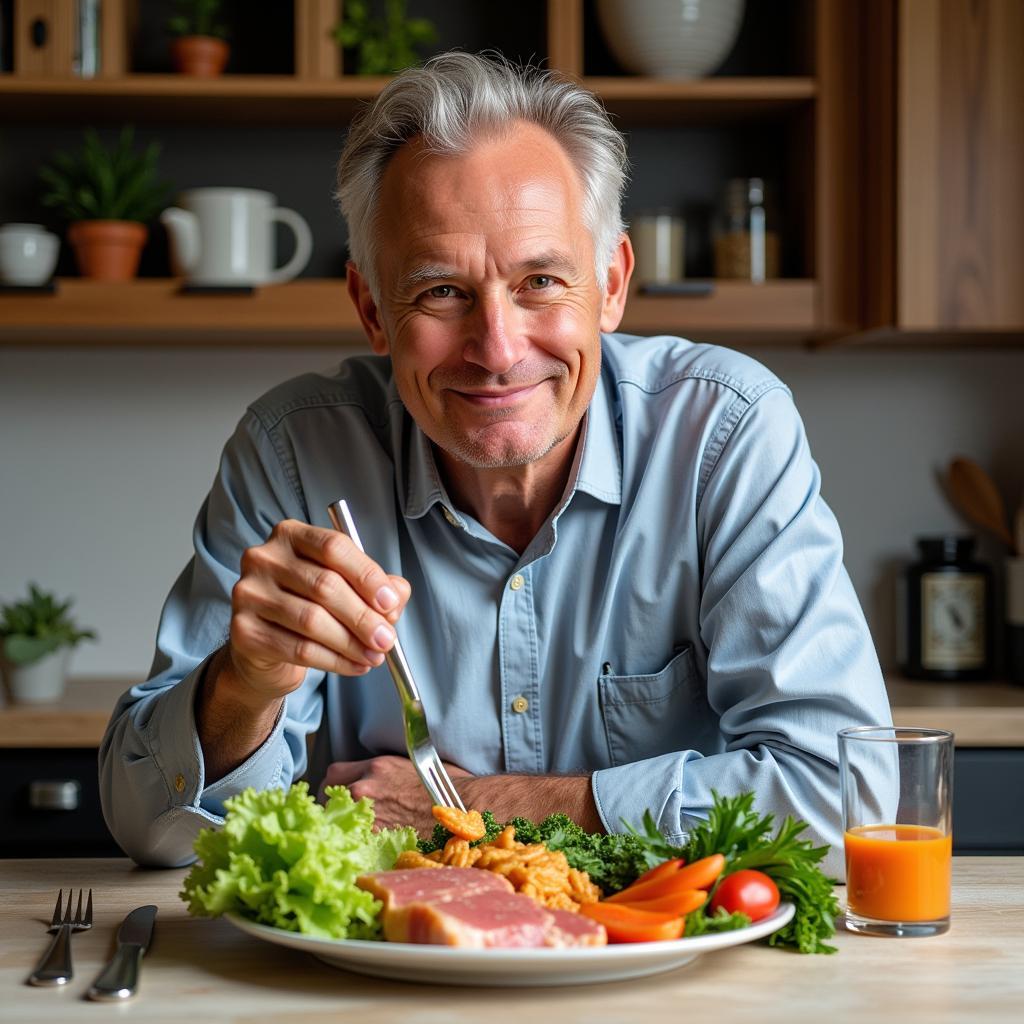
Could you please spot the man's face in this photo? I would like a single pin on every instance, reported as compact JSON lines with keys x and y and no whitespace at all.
{"x":489,"y":304}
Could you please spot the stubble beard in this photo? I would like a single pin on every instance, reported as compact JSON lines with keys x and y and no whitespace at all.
{"x":473,"y":448}
{"x":510,"y":455}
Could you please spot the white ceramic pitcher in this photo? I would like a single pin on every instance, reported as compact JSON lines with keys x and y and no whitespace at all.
{"x":225,"y":236}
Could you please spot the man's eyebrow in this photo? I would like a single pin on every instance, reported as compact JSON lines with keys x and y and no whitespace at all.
{"x":554,"y":259}
{"x":427,"y":272}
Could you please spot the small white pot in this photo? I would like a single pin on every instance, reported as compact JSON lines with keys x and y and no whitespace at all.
{"x":28,"y":254}
{"x":39,"y":682}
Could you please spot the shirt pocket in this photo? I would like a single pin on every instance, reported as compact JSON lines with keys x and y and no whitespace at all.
{"x":645,"y":716}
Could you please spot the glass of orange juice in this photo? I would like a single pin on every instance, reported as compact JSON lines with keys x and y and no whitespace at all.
{"x":897,"y":793}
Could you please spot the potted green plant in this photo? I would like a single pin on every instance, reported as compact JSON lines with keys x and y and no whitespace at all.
{"x":107,"y":195}
{"x":382,"y":45}
{"x":36,"y":639}
{"x":200,"y":45}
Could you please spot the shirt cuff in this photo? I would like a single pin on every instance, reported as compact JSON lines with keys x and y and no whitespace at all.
{"x":622,"y":794}
{"x":180,"y":754}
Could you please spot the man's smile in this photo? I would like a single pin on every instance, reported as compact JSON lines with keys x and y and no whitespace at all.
{"x":496,"y":399}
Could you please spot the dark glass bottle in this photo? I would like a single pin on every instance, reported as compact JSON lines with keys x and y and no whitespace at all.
{"x":949,"y":612}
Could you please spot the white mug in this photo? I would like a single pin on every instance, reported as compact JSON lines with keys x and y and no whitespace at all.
{"x":28,"y":254}
{"x":225,"y":236}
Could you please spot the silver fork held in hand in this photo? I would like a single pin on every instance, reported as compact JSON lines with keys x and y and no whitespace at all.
{"x":422,"y":752}
{"x":55,"y":966}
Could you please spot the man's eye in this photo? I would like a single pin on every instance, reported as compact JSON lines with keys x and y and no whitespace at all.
{"x":539,"y":281}
{"x":442,"y":291}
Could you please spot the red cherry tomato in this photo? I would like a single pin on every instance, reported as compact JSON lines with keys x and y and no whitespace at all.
{"x":750,"y":892}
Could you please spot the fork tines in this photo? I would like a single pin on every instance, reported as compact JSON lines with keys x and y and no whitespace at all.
{"x":443,"y":786}
{"x":78,"y":921}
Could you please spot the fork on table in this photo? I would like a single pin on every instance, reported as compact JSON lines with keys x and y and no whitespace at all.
{"x":55,"y":966}
{"x":422,"y":752}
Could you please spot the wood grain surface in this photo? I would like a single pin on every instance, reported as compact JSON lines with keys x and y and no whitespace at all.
{"x":981,"y":714}
{"x":201,"y":970}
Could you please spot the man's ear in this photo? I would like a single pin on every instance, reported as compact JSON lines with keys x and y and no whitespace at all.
{"x":366,"y":307}
{"x":613,"y":302}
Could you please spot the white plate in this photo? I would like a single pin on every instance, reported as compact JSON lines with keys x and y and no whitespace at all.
{"x":447,"y":965}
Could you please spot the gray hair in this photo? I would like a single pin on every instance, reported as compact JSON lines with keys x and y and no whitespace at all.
{"x":448,"y":103}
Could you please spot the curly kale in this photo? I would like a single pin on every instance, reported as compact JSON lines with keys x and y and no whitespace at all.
{"x":612,"y":861}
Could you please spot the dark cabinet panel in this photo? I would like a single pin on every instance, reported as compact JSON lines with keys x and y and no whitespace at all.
{"x":33,"y":829}
{"x":988,"y":801}
{"x":988,"y":804}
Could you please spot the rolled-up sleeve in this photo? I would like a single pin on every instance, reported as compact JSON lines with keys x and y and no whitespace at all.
{"x":152,"y":780}
{"x":789,"y":659}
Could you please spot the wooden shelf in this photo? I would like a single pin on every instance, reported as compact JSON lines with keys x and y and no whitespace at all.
{"x":982,"y":714}
{"x":78,"y":719}
{"x":268,"y":97}
{"x":153,"y":311}
{"x":700,"y":99}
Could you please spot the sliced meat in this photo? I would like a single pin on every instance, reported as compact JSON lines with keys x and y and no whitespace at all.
{"x":472,"y":909}
{"x":397,"y":889}
{"x":480,"y":921}
{"x":570,"y":929}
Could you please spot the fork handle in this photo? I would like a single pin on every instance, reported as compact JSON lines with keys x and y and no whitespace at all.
{"x":55,"y":966}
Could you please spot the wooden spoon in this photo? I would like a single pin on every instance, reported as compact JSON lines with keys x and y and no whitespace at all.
{"x":978,"y":498}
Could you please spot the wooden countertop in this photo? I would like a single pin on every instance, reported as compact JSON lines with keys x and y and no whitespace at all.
{"x":981,"y":714}
{"x":202,"y":970}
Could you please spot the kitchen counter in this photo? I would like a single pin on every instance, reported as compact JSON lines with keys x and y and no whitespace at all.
{"x":202,"y":970}
{"x":981,"y":714}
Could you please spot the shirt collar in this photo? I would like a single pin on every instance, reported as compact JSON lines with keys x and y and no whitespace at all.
{"x":600,"y":469}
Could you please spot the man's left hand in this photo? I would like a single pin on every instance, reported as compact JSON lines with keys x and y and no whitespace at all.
{"x":399,"y":798}
{"x":393,"y":785}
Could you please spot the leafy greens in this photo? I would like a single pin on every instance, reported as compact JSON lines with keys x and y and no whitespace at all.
{"x":284,"y":860}
{"x":734,"y":829}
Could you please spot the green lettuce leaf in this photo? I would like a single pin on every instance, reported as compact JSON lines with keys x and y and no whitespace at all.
{"x":284,"y":860}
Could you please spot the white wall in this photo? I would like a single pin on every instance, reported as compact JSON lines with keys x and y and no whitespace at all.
{"x":105,"y":455}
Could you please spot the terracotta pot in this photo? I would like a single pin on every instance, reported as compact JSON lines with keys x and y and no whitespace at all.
{"x":107,"y":250}
{"x":202,"y":56}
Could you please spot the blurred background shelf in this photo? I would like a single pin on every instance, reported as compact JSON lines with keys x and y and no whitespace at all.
{"x":319,"y":312}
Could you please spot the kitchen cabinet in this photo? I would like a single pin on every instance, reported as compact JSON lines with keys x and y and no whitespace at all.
{"x":50,"y":803}
{"x":944,"y":148}
{"x":785,"y":106}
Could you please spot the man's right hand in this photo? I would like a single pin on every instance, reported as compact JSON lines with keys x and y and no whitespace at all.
{"x":309,"y":598}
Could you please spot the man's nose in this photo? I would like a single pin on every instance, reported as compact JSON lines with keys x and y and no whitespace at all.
{"x":497,"y":338}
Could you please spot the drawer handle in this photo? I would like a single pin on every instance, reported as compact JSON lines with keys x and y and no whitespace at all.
{"x":54,"y":794}
{"x":38,"y":32}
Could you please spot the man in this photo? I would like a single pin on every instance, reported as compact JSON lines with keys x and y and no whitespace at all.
{"x":612,"y":570}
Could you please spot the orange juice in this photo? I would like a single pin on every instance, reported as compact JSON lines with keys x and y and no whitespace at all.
{"x":898,"y":872}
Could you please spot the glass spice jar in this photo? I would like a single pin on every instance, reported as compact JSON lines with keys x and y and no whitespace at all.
{"x":745,"y":233}
{"x":947,"y":629}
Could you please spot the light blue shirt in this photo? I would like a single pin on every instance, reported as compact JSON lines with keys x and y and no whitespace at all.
{"x":682,"y":623}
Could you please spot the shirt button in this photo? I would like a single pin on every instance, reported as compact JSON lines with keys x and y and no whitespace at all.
{"x":516,"y":583}
{"x":179,"y":783}
{"x":448,"y":515}
{"x":520,"y":704}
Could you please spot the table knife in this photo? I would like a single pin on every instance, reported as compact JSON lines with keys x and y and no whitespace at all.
{"x":120,"y":978}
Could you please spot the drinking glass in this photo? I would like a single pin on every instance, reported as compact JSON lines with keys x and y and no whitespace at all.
{"x":897,"y":795}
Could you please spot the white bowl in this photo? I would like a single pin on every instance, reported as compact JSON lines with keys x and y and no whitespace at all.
{"x":670,"y":38}
{"x":28,"y":254}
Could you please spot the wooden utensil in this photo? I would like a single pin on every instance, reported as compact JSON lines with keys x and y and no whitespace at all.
{"x":977,"y":497}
